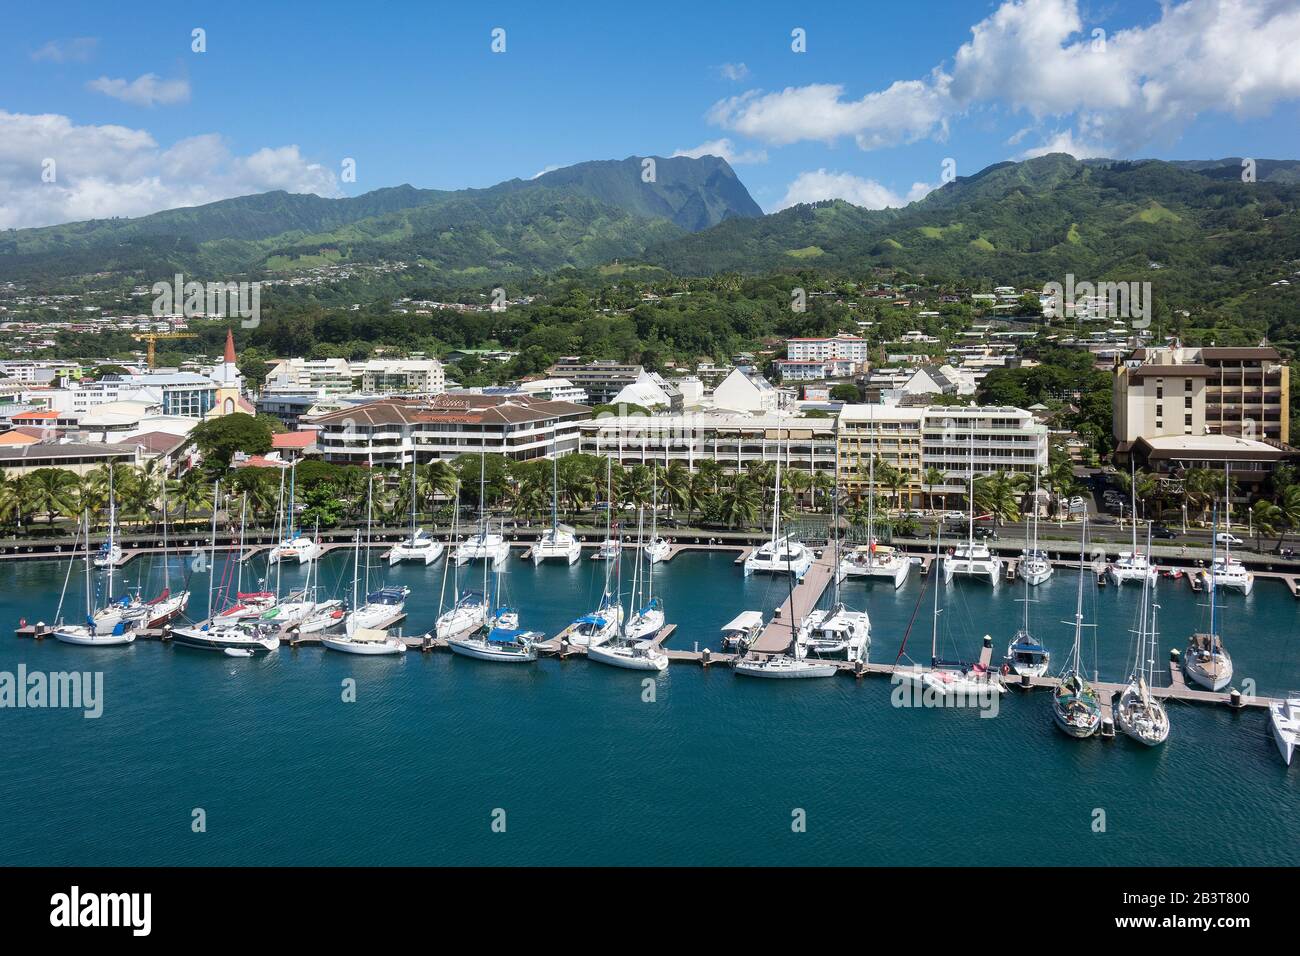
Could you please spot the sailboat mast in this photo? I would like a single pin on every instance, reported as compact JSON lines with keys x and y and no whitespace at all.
{"x":1078,"y":607}
{"x":413,"y":480}
{"x":1214,"y":548}
{"x":166,"y":569}
{"x":212,"y":545}
{"x":89,"y":603}
{"x":1133,"y":507}
{"x":555,"y":488}
{"x":112,"y":523}
{"x":934,"y":624}
{"x":871,"y":492}
{"x":970,"y":502}
{"x":370,"y":500}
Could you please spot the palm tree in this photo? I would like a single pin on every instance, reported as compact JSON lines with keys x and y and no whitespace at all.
{"x":823,"y":482}
{"x":675,"y":486}
{"x":997,"y":494}
{"x":933,"y":478}
{"x":1288,"y":505}
{"x":1265,"y":518}
{"x":438,"y":479}
{"x":797,"y":482}
{"x":52,"y":492}
{"x":11,"y":498}
{"x":190,"y":492}
{"x":740,"y":503}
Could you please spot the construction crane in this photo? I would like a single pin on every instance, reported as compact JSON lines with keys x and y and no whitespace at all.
{"x":152,"y":337}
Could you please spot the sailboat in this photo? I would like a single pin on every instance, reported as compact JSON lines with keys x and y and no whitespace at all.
{"x":1075,"y":705}
{"x":381,"y":606}
{"x":89,"y":634}
{"x":1133,"y":565}
{"x":656,"y":548}
{"x":303,"y":611}
{"x":1026,"y":654}
{"x":361,"y":631}
{"x":500,"y":639}
{"x":1284,"y":722}
{"x":558,"y":542}
{"x":647,"y":619}
{"x":419,"y":544}
{"x":1035,"y":567}
{"x":295,"y":546}
{"x":972,"y":560}
{"x":1137,"y":712}
{"x":469,"y":610}
{"x":110,"y":552}
{"x":606,"y":622}
{"x":1227,"y":571}
{"x":837,"y":629}
{"x":484,"y":544}
{"x":248,"y":606}
{"x":240,"y":638}
{"x":1206,"y":661}
{"x":796,"y":663}
{"x":782,"y":554}
{"x":874,"y":560}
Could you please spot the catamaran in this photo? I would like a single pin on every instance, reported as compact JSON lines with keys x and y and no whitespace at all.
{"x":1206,"y":661}
{"x":295,"y":546}
{"x":91,"y":633}
{"x":656,"y":548}
{"x":484,"y":544}
{"x":1284,"y":721}
{"x":1075,"y":705}
{"x":1035,"y":567}
{"x":782,"y":554}
{"x":873,"y":560}
{"x":1225,"y":571}
{"x":243,"y":638}
{"x":1138,"y":713}
{"x":1133,"y":565}
{"x":419,"y":545}
{"x":558,"y":542}
{"x":110,"y":552}
{"x":837,"y":629}
{"x":500,"y":639}
{"x":972,"y":560}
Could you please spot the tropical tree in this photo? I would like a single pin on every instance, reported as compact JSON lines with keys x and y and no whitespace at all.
{"x":190,"y":492}
{"x":933,"y":478}
{"x":1265,"y":517}
{"x":52,"y":492}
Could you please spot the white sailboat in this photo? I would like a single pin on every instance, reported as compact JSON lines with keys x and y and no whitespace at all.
{"x":110,"y":552}
{"x":635,"y":648}
{"x":606,"y":622}
{"x":1206,"y":661}
{"x":295,"y":546}
{"x":89,"y":634}
{"x":794,"y":664}
{"x":1284,"y":723}
{"x":972,"y":560}
{"x":656,"y":548}
{"x":242,"y":638}
{"x":500,"y":639}
{"x":1133,"y":565}
{"x":1035,"y":567}
{"x":874,"y":560}
{"x":837,"y":629}
{"x":782,"y":554}
{"x":419,"y":545}
{"x":1076,"y":709}
{"x":382,"y":606}
{"x":469,"y":609}
{"x":1137,"y":712}
{"x":484,"y":544}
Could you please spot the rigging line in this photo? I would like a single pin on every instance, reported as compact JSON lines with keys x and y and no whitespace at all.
{"x":915,"y":611}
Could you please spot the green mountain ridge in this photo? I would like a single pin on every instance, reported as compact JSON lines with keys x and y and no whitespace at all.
{"x":578,"y":216}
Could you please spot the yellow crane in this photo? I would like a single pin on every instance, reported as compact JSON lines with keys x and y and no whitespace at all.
{"x":152,"y":337}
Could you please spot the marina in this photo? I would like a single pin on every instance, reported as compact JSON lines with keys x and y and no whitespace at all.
{"x":704,"y":588}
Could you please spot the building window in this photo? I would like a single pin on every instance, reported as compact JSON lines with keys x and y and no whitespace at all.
{"x":1187,"y":420}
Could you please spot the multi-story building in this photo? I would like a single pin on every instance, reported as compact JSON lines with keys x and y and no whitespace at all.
{"x":841,"y":347}
{"x":319,"y":377}
{"x":393,"y":431}
{"x":602,"y":380}
{"x":401,"y":376}
{"x":1174,"y":391}
{"x":812,"y":370}
{"x":986,"y":439}
{"x":732,"y":440}
{"x":186,"y":394}
{"x":889,"y":433}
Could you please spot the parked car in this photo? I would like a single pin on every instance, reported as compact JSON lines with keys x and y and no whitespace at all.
{"x":1227,"y":537}
{"x":989,"y":534}
{"x":1158,"y":531}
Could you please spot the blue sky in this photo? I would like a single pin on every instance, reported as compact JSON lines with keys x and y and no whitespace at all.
{"x":136,"y":121}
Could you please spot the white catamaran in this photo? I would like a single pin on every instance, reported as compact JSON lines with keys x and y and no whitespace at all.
{"x":419,"y":545}
{"x":558,"y":542}
{"x":1133,"y":565}
{"x":782,"y":554}
{"x":295,"y":546}
{"x":837,"y":629}
{"x":874,"y":560}
{"x":972,"y":560}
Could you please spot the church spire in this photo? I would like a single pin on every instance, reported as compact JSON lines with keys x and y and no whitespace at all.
{"x":230,"y":347}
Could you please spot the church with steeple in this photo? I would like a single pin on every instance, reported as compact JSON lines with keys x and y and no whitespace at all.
{"x":230,"y":384}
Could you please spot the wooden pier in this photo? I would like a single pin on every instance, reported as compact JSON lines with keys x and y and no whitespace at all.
{"x":803,"y":598}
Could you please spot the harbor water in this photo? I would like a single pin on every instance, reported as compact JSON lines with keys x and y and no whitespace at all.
{"x":443,"y":760}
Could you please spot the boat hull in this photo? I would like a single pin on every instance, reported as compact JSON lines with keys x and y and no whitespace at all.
{"x":627,"y":659}
{"x":364,"y":648}
{"x":785,"y":670}
{"x":222,"y":639}
{"x":482,"y":652}
{"x":85,"y":637}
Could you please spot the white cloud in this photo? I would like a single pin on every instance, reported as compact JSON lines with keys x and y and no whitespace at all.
{"x":823,"y":184}
{"x":1039,"y":57}
{"x":1065,"y":141}
{"x":902,"y":113}
{"x":544,"y":170}
{"x":726,"y":149}
{"x":147,"y":90}
{"x":77,"y":50}
{"x":733,"y":71}
{"x":103,"y":171}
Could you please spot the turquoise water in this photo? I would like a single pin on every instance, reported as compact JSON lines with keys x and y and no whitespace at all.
{"x":589,"y":772}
